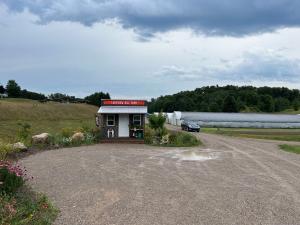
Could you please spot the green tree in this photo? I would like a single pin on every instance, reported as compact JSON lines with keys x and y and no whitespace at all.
{"x":204,"y":107}
{"x":266,"y":103}
{"x":95,"y":99}
{"x":13,"y":89}
{"x":32,"y":95}
{"x":248,"y":98}
{"x":230,"y":104}
{"x":295,"y":105}
{"x":281,"y":104}
{"x":2,"y":89}
{"x":58,"y":97}
{"x":215,"y":107}
{"x":251,"y":98}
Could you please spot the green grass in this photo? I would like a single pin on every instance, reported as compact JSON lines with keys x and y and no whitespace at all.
{"x":290,"y":148}
{"x":270,"y":134}
{"x":291,"y":111}
{"x":48,"y":117}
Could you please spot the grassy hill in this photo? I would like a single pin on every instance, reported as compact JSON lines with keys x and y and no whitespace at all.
{"x":43,"y":117}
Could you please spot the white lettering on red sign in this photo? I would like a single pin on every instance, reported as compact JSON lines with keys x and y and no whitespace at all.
{"x":124,"y":102}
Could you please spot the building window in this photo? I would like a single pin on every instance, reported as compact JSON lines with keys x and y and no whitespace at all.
{"x":137,"y":120}
{"x":110,"y":120}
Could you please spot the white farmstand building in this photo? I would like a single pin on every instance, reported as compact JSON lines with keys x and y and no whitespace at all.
{"x":122,"y":119}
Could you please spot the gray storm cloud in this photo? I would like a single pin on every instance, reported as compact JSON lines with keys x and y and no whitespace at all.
{"x":261,"y":66}
{"x":213,"y":17}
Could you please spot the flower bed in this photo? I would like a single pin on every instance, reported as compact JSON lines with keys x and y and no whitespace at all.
{"x":18,"y":204}
{"x":12,"y":177}
{"x":171,"y":139}
{"x":157,"y":134}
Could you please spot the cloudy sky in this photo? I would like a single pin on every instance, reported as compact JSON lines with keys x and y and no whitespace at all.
{"x":147,"y":48}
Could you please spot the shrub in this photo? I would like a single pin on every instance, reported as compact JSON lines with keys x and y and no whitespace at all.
{"x":160,"y":132}
{"x":155,"y":137}
{"x":157,"y":121}
{"x":171,"y":139}
{"x":149,"y":135}
{"x":63,"y":139}
{"x":76,"y":142}
{"x":12,"y":177}
{"x":96,"y":132}
{"x":66,"y":132}
{"x":85,"y":129}
{"x":66,"y":141}
{"x":60,"y":140}
{"x":89,"y":138}
{"x":52,"y":139}
{"x":182,"y":139}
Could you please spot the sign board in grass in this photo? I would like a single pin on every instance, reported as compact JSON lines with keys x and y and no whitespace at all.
{"x":290,"y":148}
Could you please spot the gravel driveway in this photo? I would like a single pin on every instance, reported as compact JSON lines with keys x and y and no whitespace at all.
{"x":229,"y":181}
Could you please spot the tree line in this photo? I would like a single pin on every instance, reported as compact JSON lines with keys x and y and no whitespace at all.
{"x":229,"y":99}
{"x":14,"y":90}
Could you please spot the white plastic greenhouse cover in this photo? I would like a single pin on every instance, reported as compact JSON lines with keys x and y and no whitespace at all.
{"x":238,"y":117}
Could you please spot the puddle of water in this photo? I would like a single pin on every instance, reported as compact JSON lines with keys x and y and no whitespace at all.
{"x":193,"y":156}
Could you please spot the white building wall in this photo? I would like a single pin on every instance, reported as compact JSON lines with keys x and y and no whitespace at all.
{"x":169,"y":118}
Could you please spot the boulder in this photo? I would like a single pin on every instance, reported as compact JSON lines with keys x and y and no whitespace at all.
{"x":41,"y":138}
{"x":78,"y":137}
{"x":19,"y":146}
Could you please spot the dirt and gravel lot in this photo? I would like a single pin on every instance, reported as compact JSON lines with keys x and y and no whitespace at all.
{"x":229,"y":181}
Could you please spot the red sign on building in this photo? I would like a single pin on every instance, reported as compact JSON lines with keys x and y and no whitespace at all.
{"x":123,"y":103}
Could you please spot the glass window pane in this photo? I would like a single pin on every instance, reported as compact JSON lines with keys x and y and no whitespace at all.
{"x":110,"y":120}
{"x":137,"y":120}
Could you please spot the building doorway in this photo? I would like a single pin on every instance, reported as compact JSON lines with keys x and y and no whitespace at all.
{"x":123,"y":125}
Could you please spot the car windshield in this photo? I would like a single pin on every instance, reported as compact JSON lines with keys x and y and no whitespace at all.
{"x":193,"y":124}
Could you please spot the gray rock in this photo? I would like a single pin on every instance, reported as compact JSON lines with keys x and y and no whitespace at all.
{"x":19,"y":146}
{"x":78,"y":136}
{"x":41,"y":138}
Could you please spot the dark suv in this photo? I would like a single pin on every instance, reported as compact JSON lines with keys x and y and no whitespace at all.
{"x":190,"y":126}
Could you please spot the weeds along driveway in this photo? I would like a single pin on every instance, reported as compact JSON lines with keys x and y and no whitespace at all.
{"x":230,"y":181}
